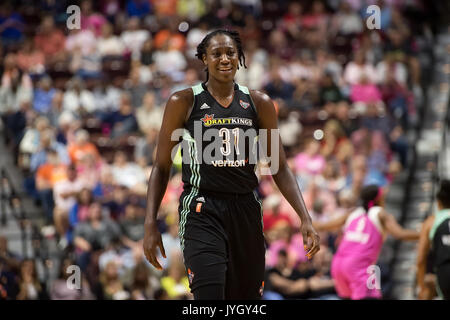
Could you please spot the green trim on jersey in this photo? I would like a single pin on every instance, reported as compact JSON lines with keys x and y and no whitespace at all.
{"x":194,"y":181}
{"x":261,"y":209}
{"x":244,"y":89}
{"x":187,"y":200}
{"x":197,"y":89}
{"x":439,"y":217}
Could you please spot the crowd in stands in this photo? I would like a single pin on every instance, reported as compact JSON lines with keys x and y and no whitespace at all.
{"x":81,"y":110}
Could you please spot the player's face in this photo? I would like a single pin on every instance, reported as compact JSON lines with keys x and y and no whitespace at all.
{"x":221,"y":58}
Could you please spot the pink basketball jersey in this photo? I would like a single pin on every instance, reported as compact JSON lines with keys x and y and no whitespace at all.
{"x":363,"y":235}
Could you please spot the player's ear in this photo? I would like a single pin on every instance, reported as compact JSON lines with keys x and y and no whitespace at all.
{"x":204,"y":59}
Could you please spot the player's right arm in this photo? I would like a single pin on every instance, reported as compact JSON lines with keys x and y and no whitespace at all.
{"x":333,"y":224}
{"x":175,"y":116}
{"x":422,"y":254}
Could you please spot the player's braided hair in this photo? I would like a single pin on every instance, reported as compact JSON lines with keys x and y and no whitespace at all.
{"x":201,"y":48}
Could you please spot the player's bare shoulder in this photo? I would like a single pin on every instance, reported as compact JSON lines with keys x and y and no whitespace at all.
{"x":182,"y":98}
{"x":261,"y":100}
{"x":180,"y":103}
{"x":265,"y":109}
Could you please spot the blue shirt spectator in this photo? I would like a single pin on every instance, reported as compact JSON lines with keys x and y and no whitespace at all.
{"x":138,"y":8}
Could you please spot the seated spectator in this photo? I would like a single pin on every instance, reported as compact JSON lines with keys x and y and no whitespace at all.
{"x":59,"y":289}
{"x":83,"y":40}
{"x":86,"y":65}
{"x":149,"y":115}
{"x":390,"y":67}
{"x":47,"y":142}
{"x":171,"y":241}
{"x":79,"y":212}
{"x":305,"y":96}
{"x":347,"y":118}
{"x":11,"y":25}
{"x":105,"y":188}
{"x":56,"y":109}
{"x":47,"y":175}
{"x":111,"y":287}
{"x":145,"y":148}
{"x":126,"y":173}
{"x":91,"y":20}
{"x":277,"y":87}
{"x":31,"y":59}
{"x":359,"y":68}
{"x":78,"y":99}
{"x":82,"y":147}
{"x":176,"y":283}
{"x":96,"y":233}
{"x":90,"y":170}
{"x":43,"y":95}
{"x":329,"y":91}
{"x":30,"y":287}
{"x":194,"y":37}
{"x":141,"y":287}
{"x":291,"y":21}
{"x":285,"y":282}
{"x":310,"y":161}
{"x":170,"y":62}
{"x":272,"y":214}
{"x":138,"y":8}
{"x":117,"y":202}
{"x":290,"y":127}
{"x":332,"y":177}
{"x":132,"y":227}
{"x":31,"y":139}
{"x":134,"y":37}
{"x":50,"y":40}
{"x":291,"y":242}
{"x":135,"y":87}
{"x":106,"y":96}
{"x":399,"y":100}
{"x":146,"y":54}
{"x":9,"y":268}
{"x":335,"y":142}
{"x":109,"y":44}
{"x":321,"y":284}
{"x":346,"y":21}
{"x":170,"y":38}
{"x":379,"y":152}
{"x":9,"y":261}
{"x":124,"y":257}
{"x":363,"y":176}
{"x":65,"y":194}
{"x":365,"y":92}
{"x":123,"y":121}
{"x":16,"y":87}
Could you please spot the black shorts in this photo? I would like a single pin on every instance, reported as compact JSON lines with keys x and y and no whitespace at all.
{"x":443,"y":279}
{"x":223,"y":242}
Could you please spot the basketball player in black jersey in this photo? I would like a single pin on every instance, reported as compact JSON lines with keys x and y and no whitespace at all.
{"x":435,"y":238}
{"x":220,"y":213}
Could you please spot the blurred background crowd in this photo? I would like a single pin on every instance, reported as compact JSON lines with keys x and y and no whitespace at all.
{"x":81,"y":110}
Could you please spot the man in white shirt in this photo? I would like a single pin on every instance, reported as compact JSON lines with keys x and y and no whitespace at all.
{"x":65,"y":196}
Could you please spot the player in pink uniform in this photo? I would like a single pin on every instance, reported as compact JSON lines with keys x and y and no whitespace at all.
{"x":365,"y":229}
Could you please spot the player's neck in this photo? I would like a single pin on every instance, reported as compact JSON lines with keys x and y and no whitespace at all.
{"x":220,"y":89}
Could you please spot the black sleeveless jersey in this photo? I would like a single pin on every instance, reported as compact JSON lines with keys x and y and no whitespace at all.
{"x":441,"y":244}
{"x":228,"y":164}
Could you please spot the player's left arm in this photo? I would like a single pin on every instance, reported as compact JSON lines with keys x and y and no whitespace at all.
{"x":283,"y":177}
{"x":397,"y":231}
